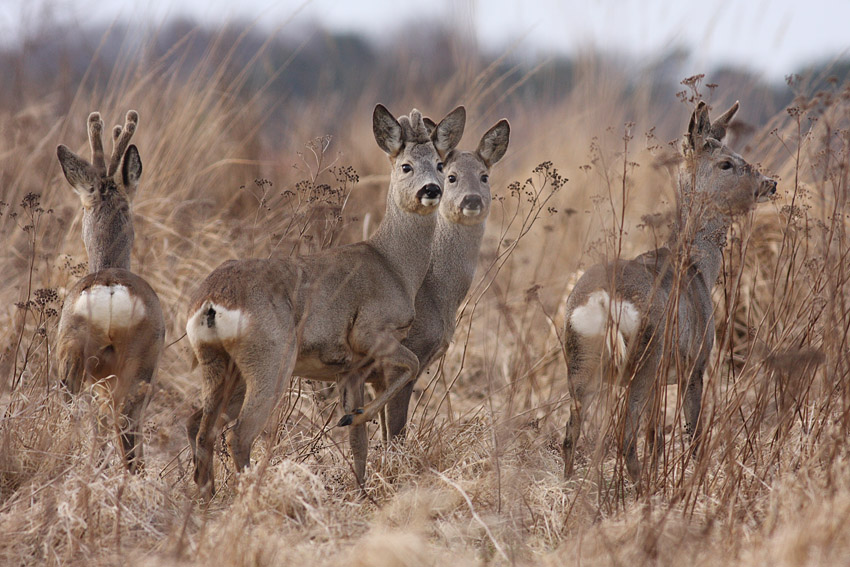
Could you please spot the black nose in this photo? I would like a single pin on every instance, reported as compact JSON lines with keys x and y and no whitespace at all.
{"x":772,"y":187}
{"x":430,"y":191}
{"x":471,"y":202}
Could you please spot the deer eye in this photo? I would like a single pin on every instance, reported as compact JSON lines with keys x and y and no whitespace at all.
{"x":485,"y":178}
{"x":440,"y":166}
{"x":452,"y":178}
{"x":725,"y":165}
{"x":406,"y":168}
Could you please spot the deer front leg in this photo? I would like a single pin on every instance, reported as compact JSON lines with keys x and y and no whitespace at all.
{"x":395,"y":414}
{"x":351,"y":392}
{"x":376,"y":378}
{"x":400,"y":368}
{"x":430,"y":345}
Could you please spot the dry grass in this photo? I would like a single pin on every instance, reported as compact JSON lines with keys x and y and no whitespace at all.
{"x":479,"y":480}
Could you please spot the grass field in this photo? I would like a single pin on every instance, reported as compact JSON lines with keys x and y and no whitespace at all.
{"x":232,"y":171}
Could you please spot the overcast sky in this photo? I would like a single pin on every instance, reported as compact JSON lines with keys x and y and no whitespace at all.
{"x":774,"y":37}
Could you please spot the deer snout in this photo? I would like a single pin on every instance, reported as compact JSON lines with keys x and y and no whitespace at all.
{"x":430,"y":195}
{"x":471,"y":205}
{"x":766,"y":190}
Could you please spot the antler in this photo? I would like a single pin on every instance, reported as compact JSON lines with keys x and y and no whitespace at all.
{"x":414,"y":128}
{"x":120,"y":140}
{"x":95,"y":129}
{"x":719,"y":125}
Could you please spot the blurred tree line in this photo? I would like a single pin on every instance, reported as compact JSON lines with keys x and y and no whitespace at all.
{"x":316,"y":64}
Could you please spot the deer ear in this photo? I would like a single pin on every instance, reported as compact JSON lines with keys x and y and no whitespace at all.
{"x":447,"y":134}
{"x":78,"y":172}
{"x":699,"y":127}
{"x":494,"y":143}
{"x":387,"y":131}
{"x":718,"y":127}
{"x":131,"y":169}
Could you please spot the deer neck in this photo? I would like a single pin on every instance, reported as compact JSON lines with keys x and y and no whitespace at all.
{"x":108,"y":237}
{"x":454,"y":256}
{"x":404,"y":240}
{"x":699,"y":234}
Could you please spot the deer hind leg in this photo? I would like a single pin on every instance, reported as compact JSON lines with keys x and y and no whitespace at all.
{"x":72,"y":370}
{"x":351,"y":392}
{"x":655,"y":429}
{"x":572,"y":434}
{"x":266,"y":368}
{"x":216,"y":368}
{"x":234,"y":405}
{"x":131,"y":417}
{"x":632,"y":416}
{"x":580,"y":372}
{"x":642,"y":384}
{"x":693,"y":404}
{"x":72,"y":365}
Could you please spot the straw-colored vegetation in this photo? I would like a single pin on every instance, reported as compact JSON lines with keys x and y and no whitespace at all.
{"x":236,"y":166}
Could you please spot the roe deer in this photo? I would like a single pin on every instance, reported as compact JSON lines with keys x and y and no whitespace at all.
{"x":111,"y":331}
{"x":254,"y":323}
{"x":454,"y":255}
{"x":634,"y":314}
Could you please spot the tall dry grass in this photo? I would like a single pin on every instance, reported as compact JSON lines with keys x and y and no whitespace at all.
{"x":588,"y":175}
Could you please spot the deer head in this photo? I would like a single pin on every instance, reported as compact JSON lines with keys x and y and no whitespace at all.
{"x":714,"y":179}
{"x":417,"y":154}
{"x":105,"y":191}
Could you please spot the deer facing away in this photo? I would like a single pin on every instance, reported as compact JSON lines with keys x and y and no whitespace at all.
{"x":253,"y":323}
{"x":111,"y":331}
{"x":627,"y":312}
{"x":453,"y":258}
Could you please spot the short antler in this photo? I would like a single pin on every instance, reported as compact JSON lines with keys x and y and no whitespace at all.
{"x":414,"y":128}
{"x":121,"y":139}
{"x":718,"y":127}
{"x":95,"y":130}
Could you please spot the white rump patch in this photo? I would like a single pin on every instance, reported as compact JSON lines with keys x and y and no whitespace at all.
{"x":110,"y":307}
{"x":591,"y":319}
{"x":600,"y":316}
{"x":213,"y":323}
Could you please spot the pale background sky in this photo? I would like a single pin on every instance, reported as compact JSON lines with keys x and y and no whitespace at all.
{"x":773,"y":38}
